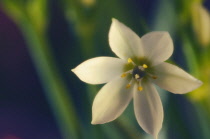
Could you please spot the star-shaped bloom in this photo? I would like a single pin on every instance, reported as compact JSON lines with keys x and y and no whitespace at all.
{"x":132,"y":75}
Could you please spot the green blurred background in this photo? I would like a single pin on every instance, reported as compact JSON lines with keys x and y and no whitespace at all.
{"x":41,"y":40}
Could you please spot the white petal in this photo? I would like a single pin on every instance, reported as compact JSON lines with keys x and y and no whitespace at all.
{"x":124,"y":42}
{"x":148,"y":109}
{"x":158,"y":46}
{"x":174,"y":79}
{"x":111,"y":101}
{"x":100,"y":69}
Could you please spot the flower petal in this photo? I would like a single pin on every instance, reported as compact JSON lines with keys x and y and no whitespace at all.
{"x":111,"y":101}
{"x":123,"y":41}
{"x":148,"y":109}
{"x":158,"y":46}
{"x":100,"y":69}
{"x":174,"y":79}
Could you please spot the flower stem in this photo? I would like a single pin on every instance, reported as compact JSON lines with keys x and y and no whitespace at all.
{"x":56,"y":91}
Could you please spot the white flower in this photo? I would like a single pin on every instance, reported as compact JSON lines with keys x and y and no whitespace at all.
{"x":140,"y":64}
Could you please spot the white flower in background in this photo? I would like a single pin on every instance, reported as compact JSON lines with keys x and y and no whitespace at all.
{"x":140,"y":64}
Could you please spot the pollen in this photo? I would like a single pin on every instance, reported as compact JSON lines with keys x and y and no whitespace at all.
{"x":154,"y":77}
{"x":145,"y":66}
{"x":140,"y":88}
{"x":123,"y":75}
{"x":128,"y":86}
{"x":137,"y":76}
{"x":130,"y":60}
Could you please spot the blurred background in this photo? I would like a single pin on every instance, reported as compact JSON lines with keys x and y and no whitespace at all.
{"x":41,"y":40}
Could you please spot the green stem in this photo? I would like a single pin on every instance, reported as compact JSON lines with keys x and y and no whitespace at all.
{"x":128,"y":128}
{"x":204,"y":120}
{"x":56,"y":91}
{"x":190,"y":55}
{"x":202,"y":107}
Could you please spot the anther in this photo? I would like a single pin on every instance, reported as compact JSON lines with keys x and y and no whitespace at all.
{"x":128,"y":86}
{"x":140,"y":88}
{"x":154,"y":77}
{"x":131,"y":61}
{"x":126,"y":73}
{"x":145,"y":66}
{"x":123,"y":75}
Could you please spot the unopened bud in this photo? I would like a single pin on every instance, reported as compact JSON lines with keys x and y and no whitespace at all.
{"x":201,"y":23}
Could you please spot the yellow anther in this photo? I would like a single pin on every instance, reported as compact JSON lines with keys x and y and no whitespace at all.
{"x":137,"y":76}
{"x":128,"y":86}
{"x":154,"y":77}
{"x":130,"y":60}
{"x":140,"y":88}
{"x":123,"y":75}
{"x":145,"y":66}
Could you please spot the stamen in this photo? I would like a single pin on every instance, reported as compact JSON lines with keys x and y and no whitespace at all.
{"x":145,"y":66}
{"x":123,"y":75}
{"x":140,"y":88}
{"x":126,"y":73}
{"x":131,"y":61}
{"x":129,"y":84}
{"x":152,"y":76}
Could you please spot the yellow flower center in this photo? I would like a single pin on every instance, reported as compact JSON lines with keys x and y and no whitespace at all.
{"x":138,"y":73}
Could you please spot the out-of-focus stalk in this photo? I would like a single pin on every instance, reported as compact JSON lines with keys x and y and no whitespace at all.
{"x":32,"y":19}
{"x":199,"y":97}
{"x":57,"y":93}
{"x":201,"y":27}
{"x":197,"y":58}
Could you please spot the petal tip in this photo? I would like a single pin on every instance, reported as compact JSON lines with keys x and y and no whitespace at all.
{"x":73,"y":70}
{"x":199,"y":83}
{"x":114,"y":19}
{"x":95,"y":122}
